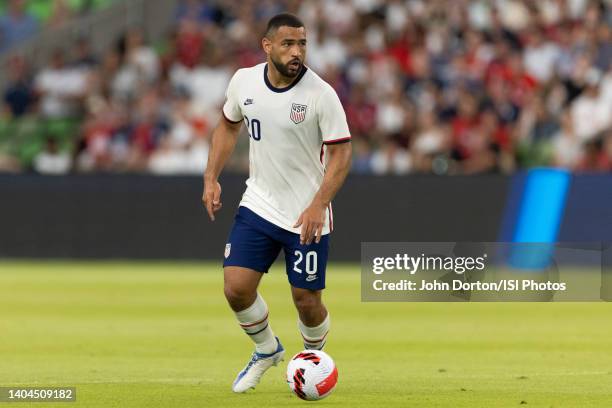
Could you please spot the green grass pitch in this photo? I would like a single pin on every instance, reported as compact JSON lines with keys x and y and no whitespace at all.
{"x":132,"y":334}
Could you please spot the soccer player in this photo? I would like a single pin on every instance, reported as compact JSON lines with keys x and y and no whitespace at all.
{"x":300,"y":154}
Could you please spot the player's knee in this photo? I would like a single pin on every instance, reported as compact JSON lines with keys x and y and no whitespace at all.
{"x":238,"y":297}
{"x":307,"y":303}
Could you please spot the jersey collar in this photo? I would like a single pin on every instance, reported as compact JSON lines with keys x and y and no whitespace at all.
{"x":285,"y":89}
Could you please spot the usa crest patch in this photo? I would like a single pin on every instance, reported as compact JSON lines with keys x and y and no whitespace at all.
{"x":298,"y":113}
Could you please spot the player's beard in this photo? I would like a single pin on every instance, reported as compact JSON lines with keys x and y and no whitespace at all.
{"x":284,"y":68}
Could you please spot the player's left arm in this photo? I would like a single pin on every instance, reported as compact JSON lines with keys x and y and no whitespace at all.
{"x":312,"y":219}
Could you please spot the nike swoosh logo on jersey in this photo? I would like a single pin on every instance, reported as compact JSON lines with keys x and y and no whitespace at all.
{"x":249,"y":101}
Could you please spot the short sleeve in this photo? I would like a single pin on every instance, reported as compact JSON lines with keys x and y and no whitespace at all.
{"x":231,"y":107}
{"x":332,"y":119}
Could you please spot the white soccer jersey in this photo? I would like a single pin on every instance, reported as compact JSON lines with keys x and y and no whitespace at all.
{"x":288,"y":128}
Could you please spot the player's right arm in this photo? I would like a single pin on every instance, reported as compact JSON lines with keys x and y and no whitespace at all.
{"x":223,"y":141}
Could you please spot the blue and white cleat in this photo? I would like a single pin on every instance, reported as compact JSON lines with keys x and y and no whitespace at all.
{"x":250,"y":376}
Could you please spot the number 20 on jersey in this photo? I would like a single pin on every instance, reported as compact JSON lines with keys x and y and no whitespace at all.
{"x":254,"y":128}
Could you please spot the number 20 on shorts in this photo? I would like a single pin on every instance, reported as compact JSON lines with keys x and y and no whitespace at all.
{"x":310,"y":261}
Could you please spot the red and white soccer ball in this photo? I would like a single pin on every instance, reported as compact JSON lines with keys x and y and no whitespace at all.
{"x":312,"y":375}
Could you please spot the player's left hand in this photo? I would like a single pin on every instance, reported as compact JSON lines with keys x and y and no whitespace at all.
{"x":312,"y":221}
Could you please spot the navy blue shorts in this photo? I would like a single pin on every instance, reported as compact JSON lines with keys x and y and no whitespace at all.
{"x":255,"y":243}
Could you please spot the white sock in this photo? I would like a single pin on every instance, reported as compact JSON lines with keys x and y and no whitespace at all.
{"x":314,"y":337}
{"x":254,"y":322}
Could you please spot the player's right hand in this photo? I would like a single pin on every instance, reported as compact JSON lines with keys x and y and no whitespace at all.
{"x":212,"y":198}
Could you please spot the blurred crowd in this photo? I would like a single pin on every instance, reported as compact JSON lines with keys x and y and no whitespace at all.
{"x":429,"y":86}
{"x":21,"y":20}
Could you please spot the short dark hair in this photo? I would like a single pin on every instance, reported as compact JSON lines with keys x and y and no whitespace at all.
{"x":283,"y":19}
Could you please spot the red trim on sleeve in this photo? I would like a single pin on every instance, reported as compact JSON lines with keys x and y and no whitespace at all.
{"x":335,"y":141}
{"x":228,"y":119}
